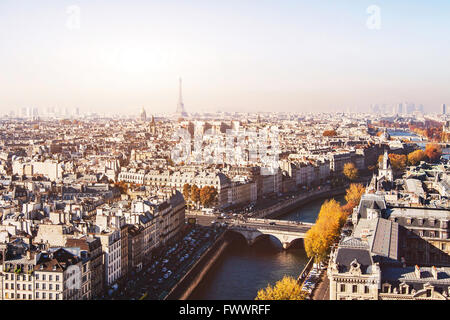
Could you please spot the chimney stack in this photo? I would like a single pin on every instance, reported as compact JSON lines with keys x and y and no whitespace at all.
{"x":434,"y":272}
{"x":417,"y":271}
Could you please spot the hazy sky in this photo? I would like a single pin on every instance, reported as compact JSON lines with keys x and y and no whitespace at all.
{"x":233,"y":55}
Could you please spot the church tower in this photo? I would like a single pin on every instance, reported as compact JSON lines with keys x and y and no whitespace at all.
{"x":386,"y":169}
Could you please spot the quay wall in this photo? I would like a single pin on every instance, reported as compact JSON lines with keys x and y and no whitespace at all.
{"x":284,"y":207}
{"x":184,"y":288}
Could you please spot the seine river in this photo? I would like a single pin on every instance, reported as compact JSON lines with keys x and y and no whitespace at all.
{"x":414,"y":137}
{"x":243,"y":270}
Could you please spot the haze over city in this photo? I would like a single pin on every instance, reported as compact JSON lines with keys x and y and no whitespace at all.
{"x":293,"y":56}
{"x":175,"y":152}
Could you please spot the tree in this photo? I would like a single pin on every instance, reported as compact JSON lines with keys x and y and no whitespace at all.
{"x":350,"y":171}
{"x":123,"y":187}
{"x":415,"y":157}
{"x":329,"y":133}
{"x":325,"y":231}
{"x":316,"y":243}
{"x":186,"y":191}
{"x":398,"y":161}
{"x":433,"y":151}
{"x":195,"y":194}
{"x":284,"y":289}
{"x":354,"y":193}
{"x":207,"y":195}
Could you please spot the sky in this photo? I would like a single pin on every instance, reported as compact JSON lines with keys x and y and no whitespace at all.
{"x":112,"y":56}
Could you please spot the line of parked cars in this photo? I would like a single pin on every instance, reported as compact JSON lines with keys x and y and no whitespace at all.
{"x":313,"y":278}
{"x":166,"y":270}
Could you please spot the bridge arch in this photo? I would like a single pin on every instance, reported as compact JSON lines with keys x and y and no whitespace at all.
{"x":297,"y":243}
{"x":236,"y":235}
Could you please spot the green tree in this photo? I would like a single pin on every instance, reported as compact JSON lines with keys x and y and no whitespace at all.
{"x":284,"y":289}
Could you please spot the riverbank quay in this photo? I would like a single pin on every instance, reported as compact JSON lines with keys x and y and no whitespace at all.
{"x":187,"y":284}
{"x":302,"y":199}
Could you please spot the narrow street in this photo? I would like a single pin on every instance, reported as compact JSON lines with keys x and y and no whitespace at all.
{"x":323,"y":289}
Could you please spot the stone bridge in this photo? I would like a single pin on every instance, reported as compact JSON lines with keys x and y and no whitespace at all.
{"x":285,"y":231}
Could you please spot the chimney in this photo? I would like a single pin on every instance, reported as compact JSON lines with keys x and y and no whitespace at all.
{"x":417,"y":271}
{"x":434,"y":272}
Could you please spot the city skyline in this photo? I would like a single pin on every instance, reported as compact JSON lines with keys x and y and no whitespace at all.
{"x":288,"y":56}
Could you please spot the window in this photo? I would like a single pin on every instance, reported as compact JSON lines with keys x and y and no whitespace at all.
{"x":57,"y":278}
{"x":50,"y":278}
{"x":366,"y":289}
{"x":37,"y":285}
{"x":428,"y":293}
{"x":43,"y":277}
{"x":37,"y":295}
{"x":342,"y":287}
{"x":355,"y":288}
{"x":44,"y":295}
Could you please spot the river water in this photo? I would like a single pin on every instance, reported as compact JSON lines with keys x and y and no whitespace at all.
{"x":243,"y":270}
{"x":414,"y":137}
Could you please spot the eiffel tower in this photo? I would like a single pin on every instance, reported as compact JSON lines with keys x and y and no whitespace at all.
{"x":181,"y":112}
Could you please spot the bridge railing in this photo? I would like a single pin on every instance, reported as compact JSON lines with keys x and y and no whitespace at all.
{"x":279,"y":222}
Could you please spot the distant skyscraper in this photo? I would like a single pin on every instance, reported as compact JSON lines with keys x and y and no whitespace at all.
{"x":181,"y":112}
{"x":444,"y":109}
{"x":143,"y":115}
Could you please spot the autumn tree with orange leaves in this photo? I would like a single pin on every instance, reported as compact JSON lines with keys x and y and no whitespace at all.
{"x":415,"y":157}
{"x":433,"y":151}
{"x":285,"y":289}
{"x":325,"y":231}
{"x":350,"y":171}
{"x":353,"y":196}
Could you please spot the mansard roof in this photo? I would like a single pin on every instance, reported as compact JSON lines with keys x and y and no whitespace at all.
{"x":345,"y":257}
